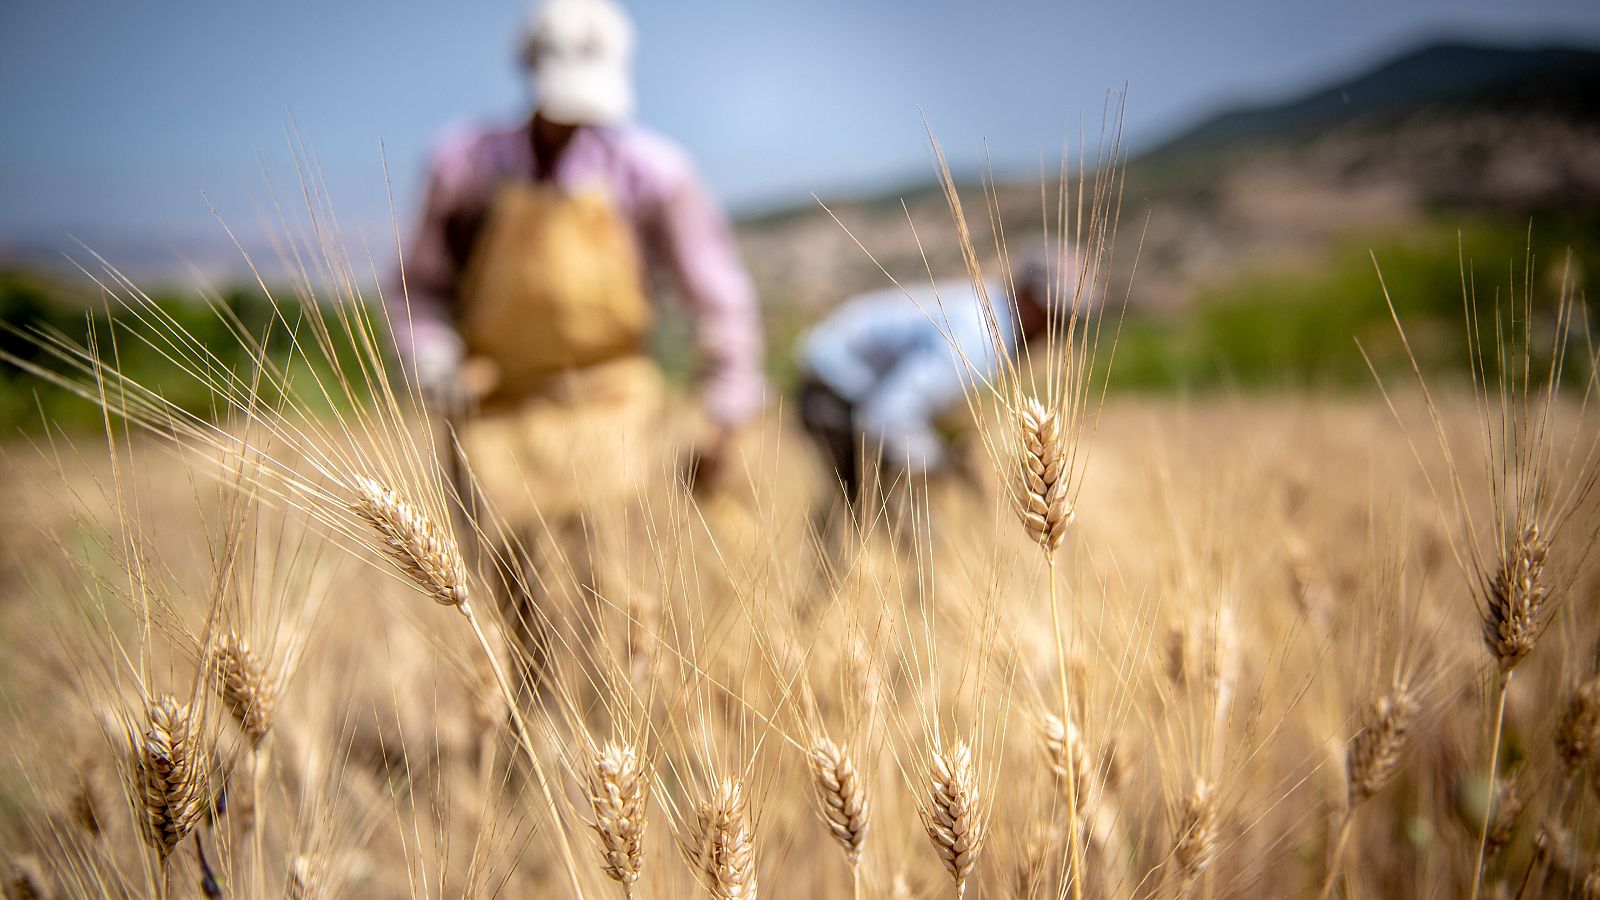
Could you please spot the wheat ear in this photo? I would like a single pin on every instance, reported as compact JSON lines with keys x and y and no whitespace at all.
{"x":952,"y":815}
{"x":723,"y":844}
{"x":1578,"y":731}
{"x":1514,"y":598}
{"x":1196,"y":846}
{"x":248,"y":692}
{"x":1043,"y":503}
{"x":1378,"y":748}
{"x":1067,"y":756}
{"x":841,"y":797}
{"x":1375,"y":755}
{"x":618,"y":792}
{"x":169,"y":767}
{"x":417,"y":544}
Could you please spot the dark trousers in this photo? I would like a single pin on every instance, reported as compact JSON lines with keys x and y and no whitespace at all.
{"x":830,"y":422}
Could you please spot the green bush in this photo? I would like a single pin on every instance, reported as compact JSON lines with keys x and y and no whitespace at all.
{"x":1281,"y":329}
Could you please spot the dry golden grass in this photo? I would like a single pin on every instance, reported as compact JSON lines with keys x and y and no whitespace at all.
{"x":1266,"y":645}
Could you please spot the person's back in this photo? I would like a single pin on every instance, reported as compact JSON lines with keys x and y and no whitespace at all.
{"x":882,"y":366}
{"x":878,"y":372}
{"x":862,"y":343}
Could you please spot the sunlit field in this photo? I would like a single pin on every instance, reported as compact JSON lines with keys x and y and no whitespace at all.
{"x":1298,"y":643}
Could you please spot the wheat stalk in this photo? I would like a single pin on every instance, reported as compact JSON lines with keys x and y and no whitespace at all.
{"x":618,"y":792}
{"x":952,"y":814}
{"x":722,"y":846}
{"x":841,"y":797}
{"x":1513,"y":607}
{"x":1067,"y":756}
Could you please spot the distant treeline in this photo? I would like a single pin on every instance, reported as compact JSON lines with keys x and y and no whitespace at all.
{"x":31,"y":305}
{"x":1277,"y":328}
{"x":1292,"y":328}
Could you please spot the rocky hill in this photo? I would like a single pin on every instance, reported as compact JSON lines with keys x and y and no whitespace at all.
{"x":1444,"y":129}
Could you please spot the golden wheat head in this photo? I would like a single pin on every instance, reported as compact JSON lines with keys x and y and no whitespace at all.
{"x":1042,"y":502}
{"x":169,"y":769}
{"x":248,"y":692}
{"x":841,"y":796}
{"x":618,"y":792}
{"x":722,"y":846}
{"x":952,"y":815}
{"x":1378,"y":748}
{"x":418,"y":545}
{"x":1514,"y":599}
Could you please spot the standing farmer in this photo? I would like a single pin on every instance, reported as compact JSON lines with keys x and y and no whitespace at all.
{"x":526,"y":292}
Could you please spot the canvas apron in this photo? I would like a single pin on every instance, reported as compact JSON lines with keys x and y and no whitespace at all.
{"x":554,"y":311}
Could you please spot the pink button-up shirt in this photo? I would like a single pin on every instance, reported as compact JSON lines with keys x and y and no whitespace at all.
{"x":654,"y":187}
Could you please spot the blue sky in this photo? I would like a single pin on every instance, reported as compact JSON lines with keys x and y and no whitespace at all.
{"x":117,"y":115}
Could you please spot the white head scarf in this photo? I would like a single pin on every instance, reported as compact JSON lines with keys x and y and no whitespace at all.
{"x":579,"y":54}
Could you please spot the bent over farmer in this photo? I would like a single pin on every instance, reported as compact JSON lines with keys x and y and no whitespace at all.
{"x":881,"y":370}
{"x":527,"y":296}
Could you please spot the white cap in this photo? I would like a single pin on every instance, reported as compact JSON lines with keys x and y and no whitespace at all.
{"x":579,"y":54}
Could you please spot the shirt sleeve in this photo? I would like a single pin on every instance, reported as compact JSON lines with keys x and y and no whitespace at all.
{"x":717,"y":291}
{"x":898,"y":412}
{"x":833,"y":358}
{"x":421,"y":297}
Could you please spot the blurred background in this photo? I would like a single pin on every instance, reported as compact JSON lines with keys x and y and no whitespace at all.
{"x":1273,"y":148}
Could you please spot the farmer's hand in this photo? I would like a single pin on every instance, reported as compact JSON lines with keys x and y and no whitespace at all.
{"x":438,"y":370}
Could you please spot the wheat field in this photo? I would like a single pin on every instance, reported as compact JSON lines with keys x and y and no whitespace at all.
{"x":1226,"y":646}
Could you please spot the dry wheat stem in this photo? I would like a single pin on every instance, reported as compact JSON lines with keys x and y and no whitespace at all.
{"x":1338,"y":853}
{"x":1494,"y":764}
{"x":841,"y":798}
{"x":427,"y":555}
{"x":952,"y":816}
{"x":618,"y":793}
{"x":1075,"y":859}
{"x":722,"y":846}
{"x":525,"y":740}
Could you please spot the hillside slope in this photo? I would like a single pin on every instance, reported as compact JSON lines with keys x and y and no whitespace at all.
{"x":1444,"y":130}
